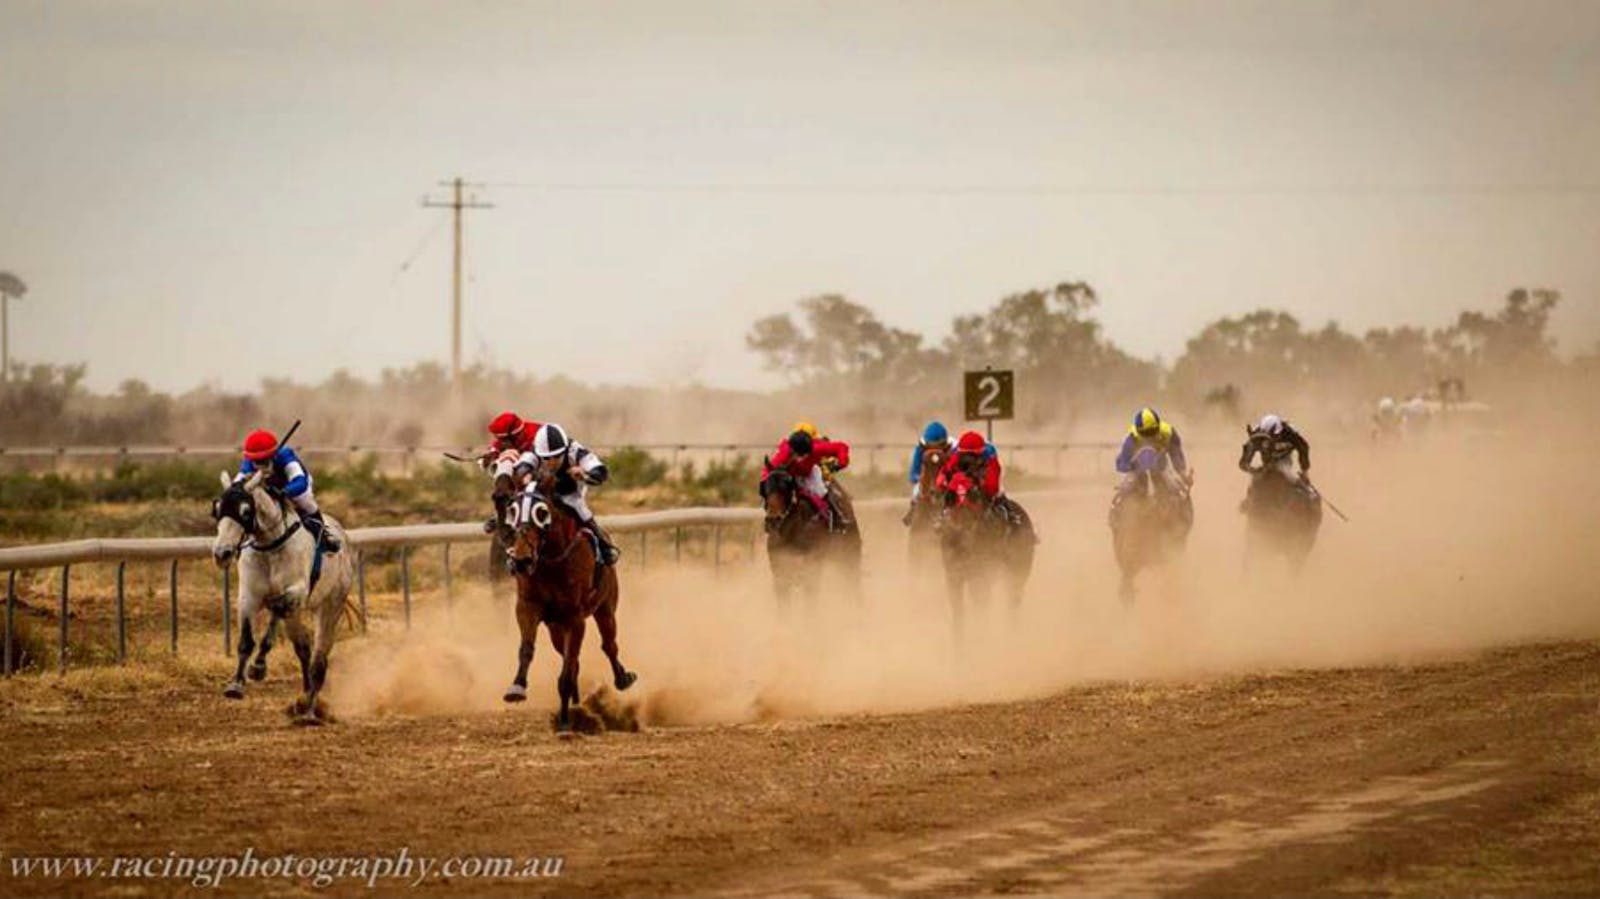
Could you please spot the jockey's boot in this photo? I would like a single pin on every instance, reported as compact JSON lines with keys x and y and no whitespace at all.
{"x":319,"y":531}
{"x":609,"y":553}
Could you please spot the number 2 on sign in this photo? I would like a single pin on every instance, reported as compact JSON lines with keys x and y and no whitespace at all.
{"x":989,"y":387}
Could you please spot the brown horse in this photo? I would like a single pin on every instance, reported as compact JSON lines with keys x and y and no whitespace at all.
{"x":561,"y":583}
{"x":924,"y":518}
{"x":799,"y":540}
{"x":983,"y":540}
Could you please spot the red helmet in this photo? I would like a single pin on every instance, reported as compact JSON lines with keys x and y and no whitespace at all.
{"x":971,"y":442}
{"x":260,"y":445}
{"x":505,"y":425}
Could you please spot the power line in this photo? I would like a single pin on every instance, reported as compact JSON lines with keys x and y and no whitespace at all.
{"x":1052,"y":190}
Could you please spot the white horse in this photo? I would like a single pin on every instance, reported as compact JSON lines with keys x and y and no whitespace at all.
{"x":275,"y":552}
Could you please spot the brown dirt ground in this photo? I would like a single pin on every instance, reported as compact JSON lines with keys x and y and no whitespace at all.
{"x":1480,"y":775}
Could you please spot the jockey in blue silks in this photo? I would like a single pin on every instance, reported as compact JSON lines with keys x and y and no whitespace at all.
{"x":935,"y":434}
{"x":285,"y":473}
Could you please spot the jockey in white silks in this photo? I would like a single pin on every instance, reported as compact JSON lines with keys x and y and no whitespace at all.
{"x":574,"y":468}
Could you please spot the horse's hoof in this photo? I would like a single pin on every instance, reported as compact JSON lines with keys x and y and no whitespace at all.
{"x":626,"y":679}
{"x":258,"y":671}
{"x":310,"y":719}
{"x":234,"y":689}
{"x":298,"y":707}
{"x":516,"y":693}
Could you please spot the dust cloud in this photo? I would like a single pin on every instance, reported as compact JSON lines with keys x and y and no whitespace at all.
{"x":1453,"y":545}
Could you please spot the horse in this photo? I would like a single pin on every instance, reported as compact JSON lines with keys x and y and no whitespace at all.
{"x":561,"y":583}
{"x":1149,"y":519}
{"x":283,"y":572}
{"x":982,"y":540}
{"x":504,"y":472}
{"x":1281,"y":514}
{"x":799,"y":540}
{"x":924,"y":518}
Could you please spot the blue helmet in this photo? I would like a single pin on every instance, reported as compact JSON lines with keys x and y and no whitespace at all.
{"x":935,"y":433}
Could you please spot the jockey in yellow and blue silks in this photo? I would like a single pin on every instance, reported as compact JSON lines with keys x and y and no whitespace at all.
{"x":1148,"y":430}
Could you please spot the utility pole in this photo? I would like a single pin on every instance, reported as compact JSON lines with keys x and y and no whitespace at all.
{"x":456,"y":203}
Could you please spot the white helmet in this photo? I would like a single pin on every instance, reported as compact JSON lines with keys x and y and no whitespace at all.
{"x":550,"y":442}
{"x":1270,"y":424}
{"x":1386,"y":404}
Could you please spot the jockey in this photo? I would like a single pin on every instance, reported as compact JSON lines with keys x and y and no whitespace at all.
{"x":575,"y":467}
{"x":830,"y":467}
{"x":1148,"y":430}
{"x":804,"y":457}
{"x":1386,"y":421}
{"x":1278,"y":444}
{"x":978,"y":460}
{"x":509,"y":432}
{"x":284,"y":472}
{"x":935,"y":434}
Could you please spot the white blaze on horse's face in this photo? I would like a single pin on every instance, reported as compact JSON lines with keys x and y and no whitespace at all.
{"x":505,"y":464}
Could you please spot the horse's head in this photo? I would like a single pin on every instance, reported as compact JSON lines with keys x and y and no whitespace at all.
{"x":504,"y":471}
{"x":531,"y":523}
{"x":964,"y":506}
{"x":933,"y":459}
{"x":237,"y":515}
{"x":777,"y":497}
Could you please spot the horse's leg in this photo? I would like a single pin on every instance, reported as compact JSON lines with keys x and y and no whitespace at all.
{"x":568,"y":638}
{"x":326,"y":627}
{"x":247,"y":603}
{"x":605,"y":618}
{"x":528,"y":627}
{"x":954,"y":583}
{"x":258,"y":668}
{"x":300,"y":637}
{"x":247,"y":645}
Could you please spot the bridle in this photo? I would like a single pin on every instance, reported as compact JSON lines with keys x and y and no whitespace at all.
{"x":242,"y":499}
{"x":527,"y":510}
{"x":785,"y":485}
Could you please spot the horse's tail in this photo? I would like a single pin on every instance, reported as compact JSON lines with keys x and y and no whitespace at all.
{"x":353,"y":616}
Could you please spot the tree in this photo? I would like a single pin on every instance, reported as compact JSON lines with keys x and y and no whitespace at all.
{"x":837,"y":338}
{"x":1511,"y":340}
{"x":11,"y":288}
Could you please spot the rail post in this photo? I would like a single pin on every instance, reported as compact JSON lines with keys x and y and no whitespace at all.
{"x":361,"y":586}
{"x":122,"y":613}
{"x":405,"y":582}
{"x":644,"y":548}
{"x":11,"y":619}
{"x":677,"y":544}
{"x":448,"y":598}
{"x":716,"y":547}
{"x":66,"y":584}
{"x":173,"y":588}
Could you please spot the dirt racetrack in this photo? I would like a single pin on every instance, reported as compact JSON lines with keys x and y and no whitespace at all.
{"x":1418,"y":713}
{"x":1480,"y":775}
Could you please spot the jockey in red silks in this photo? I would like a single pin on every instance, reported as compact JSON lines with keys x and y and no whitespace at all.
{"x":510,"y":432}
{"x":802,"y":456}
{"x":975,"y":462}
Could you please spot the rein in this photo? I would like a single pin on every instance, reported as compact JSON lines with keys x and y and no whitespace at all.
{"x":283,"y":538}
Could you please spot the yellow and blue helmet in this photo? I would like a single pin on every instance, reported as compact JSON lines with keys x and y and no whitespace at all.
{"x":809,"y":428}
{"x":1146,"y":422}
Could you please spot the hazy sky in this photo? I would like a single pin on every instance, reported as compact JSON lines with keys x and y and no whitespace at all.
{"x":222,"y":191}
